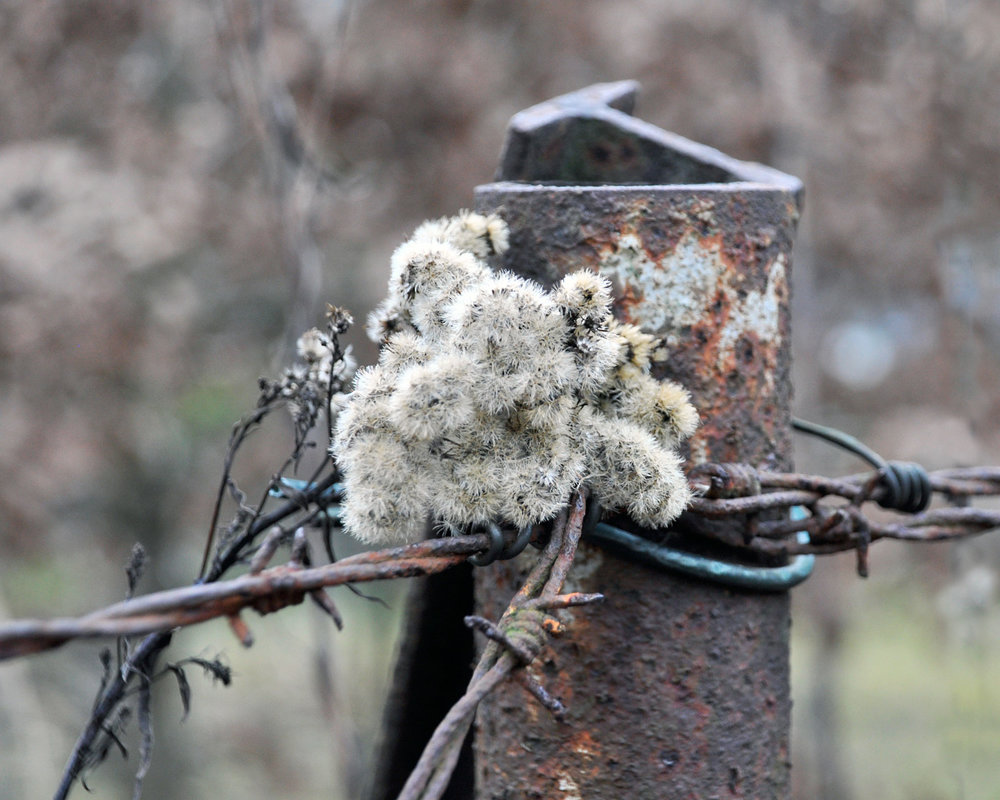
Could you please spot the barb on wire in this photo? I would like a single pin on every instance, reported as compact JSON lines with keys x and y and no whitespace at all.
{"x":515,"y":641}
{"x":835,"y":519}
{"x":265,"y":591}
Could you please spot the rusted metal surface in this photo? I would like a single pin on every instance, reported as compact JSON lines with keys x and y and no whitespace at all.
{"x":673,"y":688}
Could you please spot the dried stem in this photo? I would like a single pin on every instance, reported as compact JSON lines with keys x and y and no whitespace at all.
{"x":139,"y":662}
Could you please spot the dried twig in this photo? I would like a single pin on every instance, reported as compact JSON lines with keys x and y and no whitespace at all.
{"x":140,"y":662}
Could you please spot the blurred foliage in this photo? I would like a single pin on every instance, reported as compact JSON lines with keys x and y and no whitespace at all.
{"x":184,"y":185}
{"x":211,"y":406}
{"x":917,"y":712}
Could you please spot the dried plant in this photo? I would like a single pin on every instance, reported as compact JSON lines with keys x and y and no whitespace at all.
{"x":493,"y":399}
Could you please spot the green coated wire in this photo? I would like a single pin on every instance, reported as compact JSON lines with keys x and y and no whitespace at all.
{"x":841,"y":439}
{"x":332,"y":510}
{"x":762,"y":579}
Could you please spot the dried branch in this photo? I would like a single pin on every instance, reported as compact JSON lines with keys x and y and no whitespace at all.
{"x":88,"y":749}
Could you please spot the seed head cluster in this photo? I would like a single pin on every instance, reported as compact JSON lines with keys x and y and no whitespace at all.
{"x":319,"y":377}
{"x":493,"y":398}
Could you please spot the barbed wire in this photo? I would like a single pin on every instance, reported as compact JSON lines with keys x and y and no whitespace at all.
{"x":735,"y":490}
{"x":736,"y":494}
{"x":515,"y":641}
{"x":264,"y":590}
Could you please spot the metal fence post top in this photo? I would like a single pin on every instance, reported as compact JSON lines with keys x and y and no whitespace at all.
{"x":590,"y":137}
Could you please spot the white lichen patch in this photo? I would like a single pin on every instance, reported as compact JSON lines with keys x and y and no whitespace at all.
{"x":569,"y":788}
{"x":494,"y":399}
{"x":680,"y":289}
{"x":672,"y":293}
{"x":758,"y":313}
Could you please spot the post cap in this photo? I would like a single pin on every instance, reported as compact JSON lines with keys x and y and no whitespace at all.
{"x":590,"y":137}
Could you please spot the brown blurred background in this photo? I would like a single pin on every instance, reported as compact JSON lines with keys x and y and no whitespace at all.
{"x":184,"y":185}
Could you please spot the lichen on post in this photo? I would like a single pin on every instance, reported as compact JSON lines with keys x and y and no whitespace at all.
{"x":675,"y":688}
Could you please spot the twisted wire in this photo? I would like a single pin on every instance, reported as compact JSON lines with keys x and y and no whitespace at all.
{"x":905,"y":486}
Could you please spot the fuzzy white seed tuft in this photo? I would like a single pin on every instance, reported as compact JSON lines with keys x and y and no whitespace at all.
{"x":494,"y":399}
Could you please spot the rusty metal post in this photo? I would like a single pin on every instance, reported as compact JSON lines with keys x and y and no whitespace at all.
{"x":675,"y":688}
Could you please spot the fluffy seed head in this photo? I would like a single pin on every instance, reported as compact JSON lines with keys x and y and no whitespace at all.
{"x":552,"y":416}
{"x":433,"y":399}
{"x":376,"y":518}
{"x":584,"y":298}
{"x":313,"y":345}
{"x":506,"y":321}
{"x":366,"y":411}
{"x":431,"y":271}
{"x":677,"y":418}
{"x":483,"y":236}
{"x":402,"y":350}
{"x":629,"y":469}
{"x":597,"y":354}
{"x":389,"y":317}
{"x":493,"y":399}
{"x":639,"y":346}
